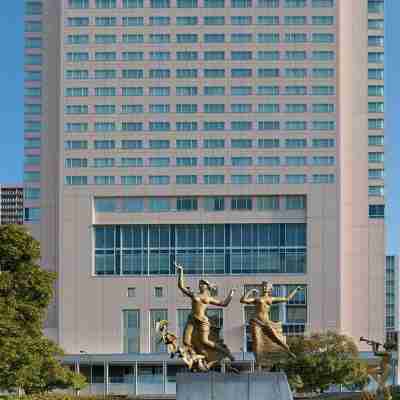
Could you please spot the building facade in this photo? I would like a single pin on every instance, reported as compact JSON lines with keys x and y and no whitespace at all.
{"x":392,"y":292}
{"x":240,"y":138}
{"x":11,"y":205}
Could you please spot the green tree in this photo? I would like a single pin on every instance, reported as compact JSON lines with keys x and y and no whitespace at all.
{"x":323,"y":360}
{"x":28,"y":359}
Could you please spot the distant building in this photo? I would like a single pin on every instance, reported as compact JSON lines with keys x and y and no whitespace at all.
{"x":11,"y":205}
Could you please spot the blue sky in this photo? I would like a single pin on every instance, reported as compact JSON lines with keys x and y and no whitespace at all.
{"x":11,"y":106}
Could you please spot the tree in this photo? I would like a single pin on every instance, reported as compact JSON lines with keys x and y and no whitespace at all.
{"x":28,"y":359}
{"x":323,"y":360}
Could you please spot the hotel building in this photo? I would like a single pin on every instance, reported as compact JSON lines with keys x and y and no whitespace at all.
{"x":240,"y":138}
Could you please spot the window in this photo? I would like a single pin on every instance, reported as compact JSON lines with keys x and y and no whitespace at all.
{"x":186,"y":144}
{"x":377,"y":211}
{"x":241,"y":90}
{"x":159,"y":180}
{"x":78,"y":21}
{"x":295,"y":20}
{"x":323,"y":20}
{"x":131,"y":328}
{"x":159,"y":161}
{"x":103,"y":162}
{"x":186,"y":108}
{"x":323,"y":108}
{"x":268,"y":90}
{"x":71,"y":162}
{"x":323,"y":125}
{"x":376,"y":123}
{"x":267,"y":203}
{"x":214,"y":90}
{"x":376,"y":57}
{"x":268,"y":161}
{"x":214,"y":108}
{"x":106,"y":21}
{"x":323,"y":55}
{"x":323,"y":143}
{"x":186,"y":38}
{"x":241,"y":3}
{"x":159,"y":108}
{"x":33,"y":92}
{"x":268,"y":3}
{"x":155,"y":317}
{"x":131,"y":162}
{"x":376,"y":6}
{"x":214,"y":126}
{"x":241,"y":55}
{"x":267,"y":20}
{"x":131,"y":292}
{"x":323,"y":160}
{"x":131,"y":180}
{"x":295,"y":90}
{"x":241,"y":203}
{"x":32,"y":214}
{"x":323,"y":3}
{"x":186,"y":73}
{"x":186,"y":179}
{"x":241,"y":161}
{"x":104,"y":180}
{"x":186,"y":55}
{"x":106,"y":3}
{"x":268,"y":179}
{"x":323,"y":38}
{"x":31,"y":193}
{"x":376,"y":107}
{"x":376,"y":174}
{"x":158,"y":291}
{"x":214,"y":20}
{"x":268,"y":143}
{"x":35,"y":8}
{"x":31,"y":176}
{"x":214,"y":73}
{"x":241,"y":20}
{"x":376,"y":73}
{"x":241,"y":37}
{"x":213,"y":161}
{"x":376,"y":191}
{"x":323,"y":73}
{"x":33,"y":43}
{"x":159,"y":126}
{"x":159,"y":204}
{"x":295,"y":202}
{"x":214,"y":179}
{"x":376,"y":157}
{"x":268,"y":38}
{"x":186,"y":126}
{"x":323,"y":90}
{"x":296,"y":37}
{"x":296,"y":108}
{"x":295,"y":3}
{"x":76,"y":180}
{"x":187,"y":21}
{"x":32,"y":126}
{"x":268,"y":72}
{"x":35,"y":76}
{"x":186,"y":161}
{"x":186,"y":204}
{"x":132,"y":3}
{"x":295,"y":55}
{"x":104,"y":144}
{"x":73,"y":144}
{"x":376,"y":140}
{"x":214,"y":143}
{"x":214,"y":203}
{"x":131,"y":144}
{"x":376,"y":24}
{"x":295,"y":161}
{"x":160,"y":21}
{"x":296,"y":179}
{"x":214,"y":3}
{"x":241,"y":143}
{"x":159,"y":3}
{"x":323,"y":178}
{"x":376,"y":41}
{"x":268,"y":125}
{"x":241,"y":179}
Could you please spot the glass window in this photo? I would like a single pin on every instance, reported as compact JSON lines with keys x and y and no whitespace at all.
{"x":295,"y":202}
{"x":267,"y":203}
{"x":377,"y":211}
{"x":186,"y":179}
{"x":214,"y":3}
{"x":267,"y":19}
{"x":131,"y":329}
{"x":268,"y":143}
{"x":214,"y":56}
{"x":214,"y":179}
{"x":268,"y":38}
{"x":157,"y":346}
{"x":186,"y":144}
{"x":268,"y":161}
{"x":296,"y":179}
{"x":159,"y":204}
{"x":161,"y":21}
{"x":159,"y":3}
{"x":295,"y":20}
{"x":241,"y":203}
{"x":131,"y":180}
{"x":268,"y":3}
{"x":376,"y":140}
{"x":214,"y":20}
{"x":159,"y":180}
{"x":323,"y":178}
{"x":241,"y":20}
{"x":186,"y":204}
{"x":214,"y":203}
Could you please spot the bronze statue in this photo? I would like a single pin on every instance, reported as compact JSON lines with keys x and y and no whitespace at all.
{"x":381,"y":372}
{"x":202,"y":346}
{"x":267,"y":335}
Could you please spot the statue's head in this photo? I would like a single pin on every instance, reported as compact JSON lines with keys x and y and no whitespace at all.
{"x":204,"y":285}
{"x":266,"y":288}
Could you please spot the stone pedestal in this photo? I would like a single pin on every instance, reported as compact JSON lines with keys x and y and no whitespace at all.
{"x":246,"y":386}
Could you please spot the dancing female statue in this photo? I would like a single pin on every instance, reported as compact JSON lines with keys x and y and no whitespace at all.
{"x":267,"y":335}
{"x":198,"y":336}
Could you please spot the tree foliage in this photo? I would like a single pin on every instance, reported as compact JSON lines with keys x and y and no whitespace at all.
{"x":28,"y":359}
{"x":323,"y":360}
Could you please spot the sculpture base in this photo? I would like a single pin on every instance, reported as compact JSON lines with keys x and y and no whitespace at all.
{"x":246,"y":386}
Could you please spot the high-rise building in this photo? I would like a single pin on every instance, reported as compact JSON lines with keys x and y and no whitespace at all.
{"x":11,"y":205}
{"x":240,"y":138}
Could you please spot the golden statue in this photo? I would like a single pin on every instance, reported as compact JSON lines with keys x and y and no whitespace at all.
{"x":267,"y":335}
{"x":202,"y":346}
{"x":381,"y":372}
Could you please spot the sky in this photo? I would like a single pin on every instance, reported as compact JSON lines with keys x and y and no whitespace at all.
{"x":11,"y":107}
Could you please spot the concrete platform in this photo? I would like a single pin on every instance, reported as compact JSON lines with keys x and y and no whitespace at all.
{"x":246,"y":386}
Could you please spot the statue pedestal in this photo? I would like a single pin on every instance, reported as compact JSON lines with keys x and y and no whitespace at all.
{"x":246,"y":386}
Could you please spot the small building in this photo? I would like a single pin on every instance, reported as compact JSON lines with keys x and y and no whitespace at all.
{"x":11,"y":204}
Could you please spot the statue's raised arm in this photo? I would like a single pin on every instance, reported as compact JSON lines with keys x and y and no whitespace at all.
{"x":247,"y":298}
{"x":181,"y":284}
{"x":288,"y":298}
{"x":223,"y":303}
